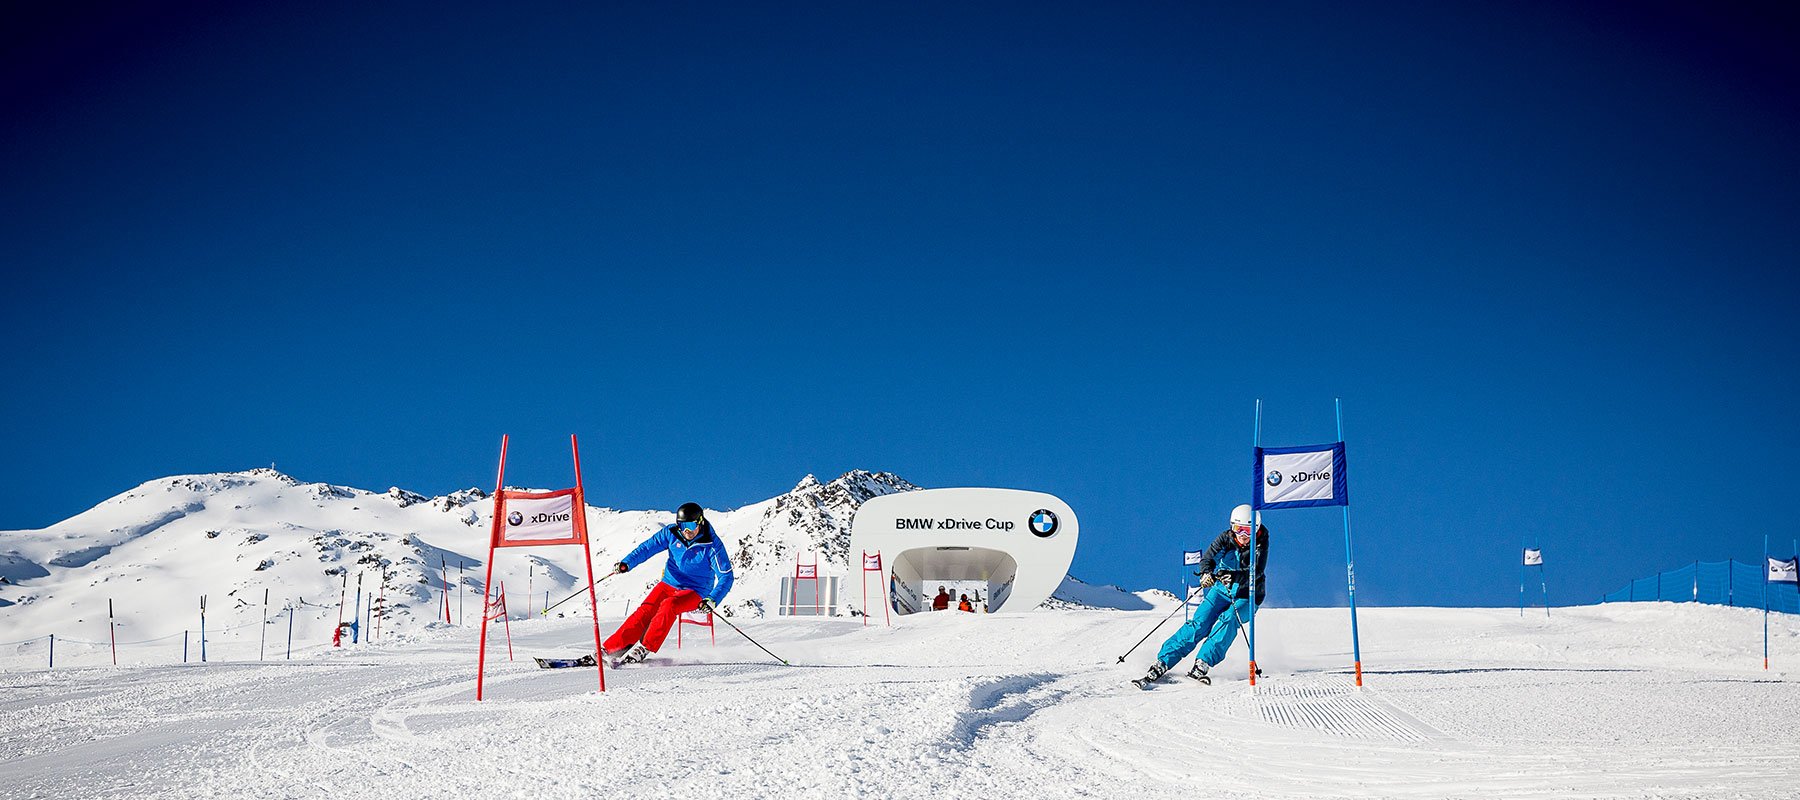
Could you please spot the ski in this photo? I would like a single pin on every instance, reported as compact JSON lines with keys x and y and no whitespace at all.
{"x":562,"y":663}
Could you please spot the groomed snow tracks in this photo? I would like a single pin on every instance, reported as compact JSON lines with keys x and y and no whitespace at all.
{"x":1332,"y":705}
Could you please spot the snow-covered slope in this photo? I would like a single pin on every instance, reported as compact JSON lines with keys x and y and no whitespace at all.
{"x":1622,"y":700}
{"x":154,"y":550}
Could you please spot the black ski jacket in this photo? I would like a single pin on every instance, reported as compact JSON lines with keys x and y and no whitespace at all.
{"x":1225,"y":558}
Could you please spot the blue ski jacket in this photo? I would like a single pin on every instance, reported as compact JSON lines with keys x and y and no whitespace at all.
{"x":701,"y":565}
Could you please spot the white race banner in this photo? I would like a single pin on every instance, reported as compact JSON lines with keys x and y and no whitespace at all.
{"x":697,"y":617}
{"x":1784,"y":571}
{"x":1297,"y":477}
{"x":871,"y":561}
{"x":531,"y":519}
{"x":806,"y":571}
{"x":1192,"y":557}
{"x":1534,"y":557}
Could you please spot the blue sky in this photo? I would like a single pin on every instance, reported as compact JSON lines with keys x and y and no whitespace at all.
{"x":1543,"y":251}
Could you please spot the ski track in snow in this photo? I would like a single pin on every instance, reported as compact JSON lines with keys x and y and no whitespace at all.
{"x":1603,"y":702}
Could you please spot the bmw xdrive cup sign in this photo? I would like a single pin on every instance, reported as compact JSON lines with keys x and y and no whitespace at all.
{"x":1044,"y":522}
{"x":1297,"y":477}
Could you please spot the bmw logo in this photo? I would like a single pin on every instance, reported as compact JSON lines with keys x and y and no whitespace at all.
{"x":1274,"y":478}
{"x":1044,"y":522}
{"x":515,"y":518}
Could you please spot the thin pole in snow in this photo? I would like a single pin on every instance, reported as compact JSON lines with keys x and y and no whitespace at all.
{"x":1255,"y":525}
{"x":202,"y":629}
{"x":111,"y":632}
{"x":263,"y":641}
{"x":53,"y":651}
{"x":1765,"y":572}
{"x":356,"y":615}
{"x":290,"y":643}
{"x":1350,"y":563}
{"x":1544,"y":582}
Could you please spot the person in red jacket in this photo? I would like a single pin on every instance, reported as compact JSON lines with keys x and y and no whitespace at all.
{"x":942,"y":601}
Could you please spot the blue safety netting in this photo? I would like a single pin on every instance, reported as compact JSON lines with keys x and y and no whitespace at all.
{"x":1713,"y":582}
{"x":1731,"y":583}
{"x":1677,"y":585}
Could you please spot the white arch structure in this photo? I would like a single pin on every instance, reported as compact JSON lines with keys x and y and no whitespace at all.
{"x":1020,"y":543}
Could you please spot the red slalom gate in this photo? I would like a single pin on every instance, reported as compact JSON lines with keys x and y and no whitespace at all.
{"x":493,"y":607}
{"x":872,"y":563}
{"x":539,"y":519}
{"x":804,"y":572}
{"x":694,"y":618}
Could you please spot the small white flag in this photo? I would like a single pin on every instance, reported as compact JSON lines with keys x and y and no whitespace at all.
{"x":806,"y":571}
{"x":1784,"y":571}
{"x":1534,"y":557}
{"x":1192,"y":557}
{"x":871,"y":561}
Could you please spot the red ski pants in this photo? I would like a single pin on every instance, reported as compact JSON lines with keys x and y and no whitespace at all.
{"x":651,"y":621}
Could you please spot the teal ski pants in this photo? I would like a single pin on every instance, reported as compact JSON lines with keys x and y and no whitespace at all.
{"x":1216,"y":607}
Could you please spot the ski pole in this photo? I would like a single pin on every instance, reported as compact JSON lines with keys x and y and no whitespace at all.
{"x":1159,"y":625}
{"x":740,"y":632}
{"x":576,"y":594}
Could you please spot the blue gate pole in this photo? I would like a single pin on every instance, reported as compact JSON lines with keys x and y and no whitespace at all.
{"x":1544,"y":583}
{"x":1521,"y":568}
{"x":53,"y":652}
{"x":184,"y":647}
{"x":1350,"y":560}
{"x":1765,"y":572}
{"x":1255,"y":523}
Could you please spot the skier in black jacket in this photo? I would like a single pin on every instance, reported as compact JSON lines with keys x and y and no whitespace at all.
{"x":1225,"y":577}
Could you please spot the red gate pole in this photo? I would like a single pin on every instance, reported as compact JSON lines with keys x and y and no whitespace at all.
{"x":587,"y":554}
{"x":887,"y":611}
{"x":506,"y":619}
{"x":864,"y":567}
{"x":487,"y":585}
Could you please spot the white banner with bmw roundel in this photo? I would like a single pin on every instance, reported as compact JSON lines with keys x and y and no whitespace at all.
{"x":539,"y":519}
{"x":1534,"y":557}
{"x":1301,"y":477}
{"x":1784,"y":571}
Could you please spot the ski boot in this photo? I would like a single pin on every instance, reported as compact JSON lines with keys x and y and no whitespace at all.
{"x":1156,"y":672}
{"x":635,"y":655}
{"x":1199,"y":673}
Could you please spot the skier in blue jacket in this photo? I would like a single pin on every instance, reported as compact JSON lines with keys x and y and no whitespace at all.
{"x":698,"y":575}
{"x":1225,"y":578}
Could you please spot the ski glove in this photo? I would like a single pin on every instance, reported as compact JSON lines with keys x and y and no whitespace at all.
{"x":621,"y":567}
{"x":1206,"y":581}
{"x":706,"y":605}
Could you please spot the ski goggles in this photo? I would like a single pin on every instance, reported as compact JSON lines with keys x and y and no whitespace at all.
{"x":1241,"y":531}
{"x":688,"y":527}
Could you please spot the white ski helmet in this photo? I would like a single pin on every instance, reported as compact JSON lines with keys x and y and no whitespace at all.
{"x":1240,"y":515}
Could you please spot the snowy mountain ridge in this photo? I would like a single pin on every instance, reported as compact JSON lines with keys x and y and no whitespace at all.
{"x":156,"y":548}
